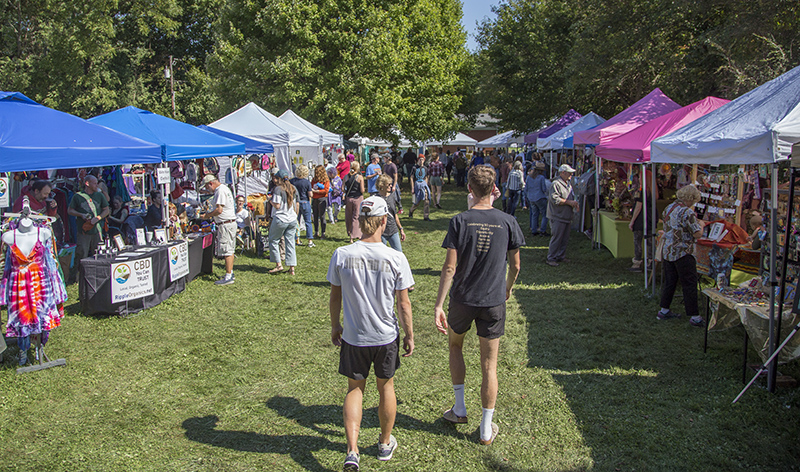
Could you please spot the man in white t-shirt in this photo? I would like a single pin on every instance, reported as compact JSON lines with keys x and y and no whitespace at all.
{"x":224,"y":215}
{"x":366,"y":278}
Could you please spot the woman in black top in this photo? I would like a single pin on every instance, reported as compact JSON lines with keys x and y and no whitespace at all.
{"x":116,"y":219}
{"x":354,"y":195}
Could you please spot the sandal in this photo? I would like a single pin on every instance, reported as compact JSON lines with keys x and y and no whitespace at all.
{"x":291,"y":271}
{"x":276,"y":270}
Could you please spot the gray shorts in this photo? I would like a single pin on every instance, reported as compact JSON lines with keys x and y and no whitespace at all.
{"x":226,"y":239}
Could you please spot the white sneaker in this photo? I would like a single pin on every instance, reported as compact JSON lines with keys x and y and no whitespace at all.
{"x":311,"y":243}
{"x":385,"y":451}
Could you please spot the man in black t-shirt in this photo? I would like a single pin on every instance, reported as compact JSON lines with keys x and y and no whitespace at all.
{"x":479,"y":242}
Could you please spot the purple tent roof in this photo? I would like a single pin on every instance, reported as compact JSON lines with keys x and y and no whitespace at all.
{"x":634,"y":146}
{"x":569,"y":117}
{"x":653,"y":105}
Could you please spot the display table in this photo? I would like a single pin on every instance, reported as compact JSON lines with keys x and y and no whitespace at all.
{"x":95,"y":281}
{"x":726,"y":313}
{"x":615,"y":234}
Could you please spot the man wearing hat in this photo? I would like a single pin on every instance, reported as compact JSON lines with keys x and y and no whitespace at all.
{"x":224,"y":215}
{"x":372,"y":173}
{"x":560,"y":209}
{"x":367,"y":278}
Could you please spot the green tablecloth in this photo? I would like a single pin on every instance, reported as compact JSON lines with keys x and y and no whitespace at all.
{"x":615,"y":235}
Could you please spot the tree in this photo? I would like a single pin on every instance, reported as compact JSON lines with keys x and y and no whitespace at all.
{"x":373,"y":67}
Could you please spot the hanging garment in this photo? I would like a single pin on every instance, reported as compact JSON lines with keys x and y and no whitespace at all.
{"x":33,"y":290}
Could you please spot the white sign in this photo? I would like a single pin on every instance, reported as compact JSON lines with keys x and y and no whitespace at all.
{"x":140,"y":239}
{"x":131,"y":280}
{"x":178,"y":261}
{"x":4,"y":200}
{"x":162,"y":175}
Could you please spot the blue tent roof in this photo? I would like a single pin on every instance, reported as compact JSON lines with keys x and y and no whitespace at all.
{"x":34,"y":137}
{"x":251,"y":146}
{"x":178,"y":140}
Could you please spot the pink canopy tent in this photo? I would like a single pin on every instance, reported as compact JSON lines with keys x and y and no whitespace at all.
{"x":653,"y":105}
{"x":634,"y":146}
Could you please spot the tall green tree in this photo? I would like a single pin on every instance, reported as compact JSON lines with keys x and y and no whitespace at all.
{"x":355,"y":66}
{"x":616,"y":52}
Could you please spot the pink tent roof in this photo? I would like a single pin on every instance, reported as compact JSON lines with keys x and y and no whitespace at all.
{"x":653,"y":105}
{"x":634,"y":146}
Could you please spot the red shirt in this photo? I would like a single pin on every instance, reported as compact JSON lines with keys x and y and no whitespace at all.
{"x":37,"y":206}
{"x":343,"y":168}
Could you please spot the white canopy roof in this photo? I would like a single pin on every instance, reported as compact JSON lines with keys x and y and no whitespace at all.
{"x":757,"y":128}
{"x":460,"y":139}
{"x":503,"y":139}
{"x":294,"y":119}
{"x":556,"y":140}
{"x":254,"y":122}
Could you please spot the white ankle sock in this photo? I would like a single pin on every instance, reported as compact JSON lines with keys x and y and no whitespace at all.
{"x":486,"y":424}
{"x":665,"y":311}
{"x":460,"y":409}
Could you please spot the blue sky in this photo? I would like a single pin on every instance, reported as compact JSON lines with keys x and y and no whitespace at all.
{"x":474,"y":11}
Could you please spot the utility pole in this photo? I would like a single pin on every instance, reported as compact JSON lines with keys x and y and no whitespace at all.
{"x":168,"y":74}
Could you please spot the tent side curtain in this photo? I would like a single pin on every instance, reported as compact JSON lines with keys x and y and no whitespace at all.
{"x":179,"y":141}
{"x":35,"y":137}
{"x":756,"y":128}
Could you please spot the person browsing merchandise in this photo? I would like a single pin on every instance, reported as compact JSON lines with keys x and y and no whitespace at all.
{"x":224,"y":216}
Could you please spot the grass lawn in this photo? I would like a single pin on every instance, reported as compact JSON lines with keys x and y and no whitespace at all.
{"x":243,"y":377}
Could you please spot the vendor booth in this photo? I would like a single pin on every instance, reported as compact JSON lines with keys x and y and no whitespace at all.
{"x":569,"y":117}
{"x":757,"y":128}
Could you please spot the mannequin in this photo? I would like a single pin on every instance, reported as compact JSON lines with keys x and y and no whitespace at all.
{"x":24,"y":239}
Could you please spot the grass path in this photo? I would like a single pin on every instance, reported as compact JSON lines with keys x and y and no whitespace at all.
{"x":243,"y":377}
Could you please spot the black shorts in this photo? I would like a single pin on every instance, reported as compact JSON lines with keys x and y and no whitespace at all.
{"x":490,"y":322}
{"x":355,"y":361}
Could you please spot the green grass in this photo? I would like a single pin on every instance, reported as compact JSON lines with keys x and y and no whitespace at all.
{"x":243,"y":377}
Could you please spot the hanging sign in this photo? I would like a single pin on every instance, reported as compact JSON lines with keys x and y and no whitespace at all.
{"x":162,"y":175}
{"x":131,"y":280}
{"x":178,"y":261}
{"x":4,"y":200}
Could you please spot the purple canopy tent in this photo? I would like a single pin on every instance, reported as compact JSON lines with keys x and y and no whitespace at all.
{"x":653,"y":105}
{"x":569,"y":117}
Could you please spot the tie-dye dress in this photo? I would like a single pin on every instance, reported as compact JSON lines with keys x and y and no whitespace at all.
{"x":32,"y":289}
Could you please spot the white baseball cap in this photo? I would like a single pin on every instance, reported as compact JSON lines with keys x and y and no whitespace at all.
{"x":565,"y":168}
{"x":374,"y":206}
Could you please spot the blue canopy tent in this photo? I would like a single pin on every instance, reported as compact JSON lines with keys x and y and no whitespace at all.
{"x":35,"y":137}
{"x":251,"y":146}
{"x":179,"y":141}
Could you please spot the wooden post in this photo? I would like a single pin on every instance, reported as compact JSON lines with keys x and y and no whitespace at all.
{"x":694,"y":174}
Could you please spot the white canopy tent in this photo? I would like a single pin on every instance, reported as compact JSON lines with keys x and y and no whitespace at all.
{"x":503,"y":140}
{"x":759,"y":127}
{"x":294,"y":119}
{"x":556,"y":140}
{"x":460,"y":139}
{"x":290,"y":143}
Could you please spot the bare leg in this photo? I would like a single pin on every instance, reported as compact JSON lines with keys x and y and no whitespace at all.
{"x":458,"y":371}
{"x":387,"y":408}
{"x":228,"y":264}
{"x":352,"y":412}
{"x":489,"y":348}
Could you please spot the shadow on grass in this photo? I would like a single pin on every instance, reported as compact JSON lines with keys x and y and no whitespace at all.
{"x":301,"y":446}
{"x":298,"y":447}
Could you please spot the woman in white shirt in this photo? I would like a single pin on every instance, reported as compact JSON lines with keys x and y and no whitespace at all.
{"x":284,"y":222}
